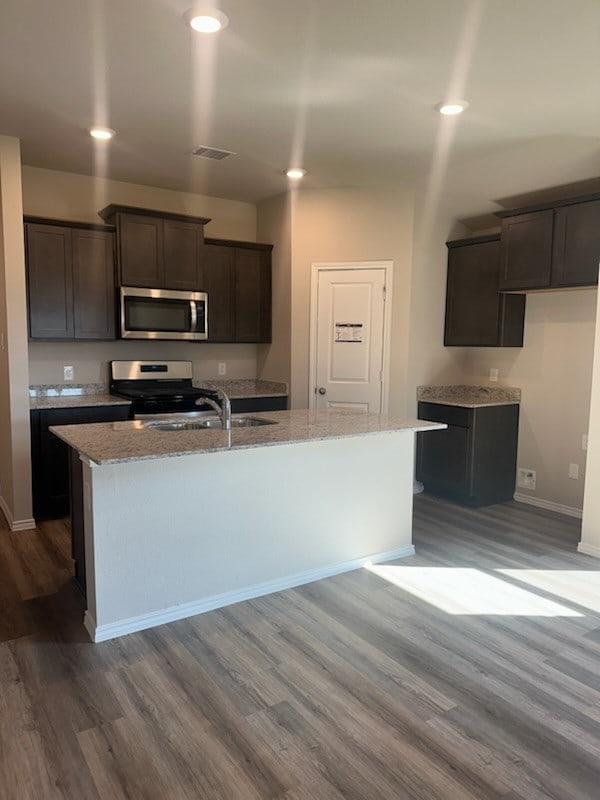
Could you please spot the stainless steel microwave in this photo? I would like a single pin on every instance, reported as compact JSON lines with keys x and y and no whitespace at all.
{"x":163,"y":314}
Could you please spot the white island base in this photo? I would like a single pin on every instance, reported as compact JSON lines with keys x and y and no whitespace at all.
{"x":168,"y":538}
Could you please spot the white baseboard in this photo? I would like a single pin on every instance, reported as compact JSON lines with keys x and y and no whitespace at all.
{"x":101,"y":633}
{"x":15,"y":524}
{"x":569,"y":511}
{"x":588,"y":549}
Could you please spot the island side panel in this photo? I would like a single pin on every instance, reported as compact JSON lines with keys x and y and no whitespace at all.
{"x":167,"y":538}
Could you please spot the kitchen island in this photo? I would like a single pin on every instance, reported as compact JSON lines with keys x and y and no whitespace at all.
{"x":180,"y":522}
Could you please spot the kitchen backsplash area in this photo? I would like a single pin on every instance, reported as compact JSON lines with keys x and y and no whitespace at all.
{"x":89,"y":360}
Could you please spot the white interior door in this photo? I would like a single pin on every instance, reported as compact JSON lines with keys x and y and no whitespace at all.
{"x":349,"y":342}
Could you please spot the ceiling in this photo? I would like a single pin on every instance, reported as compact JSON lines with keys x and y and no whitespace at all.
{"x":342,"y":87}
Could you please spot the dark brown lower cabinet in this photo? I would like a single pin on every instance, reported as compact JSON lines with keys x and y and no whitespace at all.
{"x":473,"y":461}
{"x":248,"y":404}
{"x":77,"y":519}
{"x":50,"y":455}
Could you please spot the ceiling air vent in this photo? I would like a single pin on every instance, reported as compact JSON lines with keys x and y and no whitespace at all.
{"x":211,"y":152}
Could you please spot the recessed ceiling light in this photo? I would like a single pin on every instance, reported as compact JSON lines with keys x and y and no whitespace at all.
{"x":296,"y":173}
{"x":451,"y":108}
{"x":103,"y":134}
{"x":206,"y":20}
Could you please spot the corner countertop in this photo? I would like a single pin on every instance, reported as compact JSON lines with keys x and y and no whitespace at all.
{"x":70,"y":395}
{"x":116,"y":442}
{"x":469,"y":396}
{"x":239,"y":388}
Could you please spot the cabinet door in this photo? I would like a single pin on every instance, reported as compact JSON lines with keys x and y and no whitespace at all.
{"x":576,"y":253}
{"x":93,"y":284}
{"x":140,"y":250}
{"x":217,"y":281}
{"x":182,"y":243}
{"x":477,"y":315}
{"x":50,"y":455}
{"x":52,"y":497}
{"x":443,"y":461}
{"x":49,"y":281}
{"x":252,"y":295}
{"x":526,"y":246}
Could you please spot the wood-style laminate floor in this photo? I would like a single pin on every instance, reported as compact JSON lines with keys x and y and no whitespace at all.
{"x":468,"y":672}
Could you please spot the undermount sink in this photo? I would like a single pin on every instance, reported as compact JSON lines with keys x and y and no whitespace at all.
{"x":207,"y":422}
{"x":236,"y":422}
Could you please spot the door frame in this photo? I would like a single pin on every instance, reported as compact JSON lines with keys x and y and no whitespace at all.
{"x":318,"y":267}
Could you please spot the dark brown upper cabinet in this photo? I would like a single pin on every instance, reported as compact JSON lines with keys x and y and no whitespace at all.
{"x":156,"y":249}
{"x":237,"y":278}
{"x":218,"y":278}
{"x":551,"y":247}
{"x":477,"y":314}
{"x":526,"y":246}
{"x":576,"y":246}
{"x":70,"y":280}
{"x":252,"y":294}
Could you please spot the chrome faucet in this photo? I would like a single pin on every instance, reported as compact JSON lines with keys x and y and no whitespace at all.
{"x":223,"y":410}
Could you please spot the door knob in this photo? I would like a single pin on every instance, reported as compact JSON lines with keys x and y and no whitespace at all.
{"x":322,"y":390}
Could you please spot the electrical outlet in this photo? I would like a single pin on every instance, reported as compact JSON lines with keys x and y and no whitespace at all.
{"x":526,"y":478}
{"x":222,"y":368}
{"x":493,"y":375}
{"x":574,"y":471}
{"x":584,"y":441}
{"x":68,"y":373}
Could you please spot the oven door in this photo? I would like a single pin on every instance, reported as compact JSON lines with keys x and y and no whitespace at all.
{"x":163,"y":314}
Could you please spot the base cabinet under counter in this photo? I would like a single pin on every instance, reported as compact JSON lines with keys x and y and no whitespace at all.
{"x":243,"y":405}
{"x":50,"y":456}
{"x":473,"y":461}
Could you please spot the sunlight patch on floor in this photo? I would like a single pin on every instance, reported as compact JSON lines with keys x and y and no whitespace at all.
{"x":575,"y":585}
{"x":461,"y":590}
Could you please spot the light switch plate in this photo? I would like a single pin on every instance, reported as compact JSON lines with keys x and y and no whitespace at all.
{"x":574,"y":471}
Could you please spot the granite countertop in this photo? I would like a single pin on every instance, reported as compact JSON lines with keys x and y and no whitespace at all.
{"x":73,"y":395}
{"x":469,"y":396}
{"x":115,"y":442}
{"x":81,"y":395}
{"x":245,"y":387}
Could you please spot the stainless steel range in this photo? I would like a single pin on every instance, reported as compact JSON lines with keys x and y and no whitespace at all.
{"x":159,"y":387}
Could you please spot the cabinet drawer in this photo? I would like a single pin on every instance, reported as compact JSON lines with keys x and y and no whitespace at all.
{"x":451,"y":415}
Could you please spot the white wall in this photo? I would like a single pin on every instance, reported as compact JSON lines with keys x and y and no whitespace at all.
{"x":590,"y":533}
{"x":64,"y":195}
{"x":274,"y":225}
{"x":553,"y":371}
{"x":430,"y":363}
{"x":339,"y":225}
{"x":15,"y":465}
{"x":90,"y":359}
